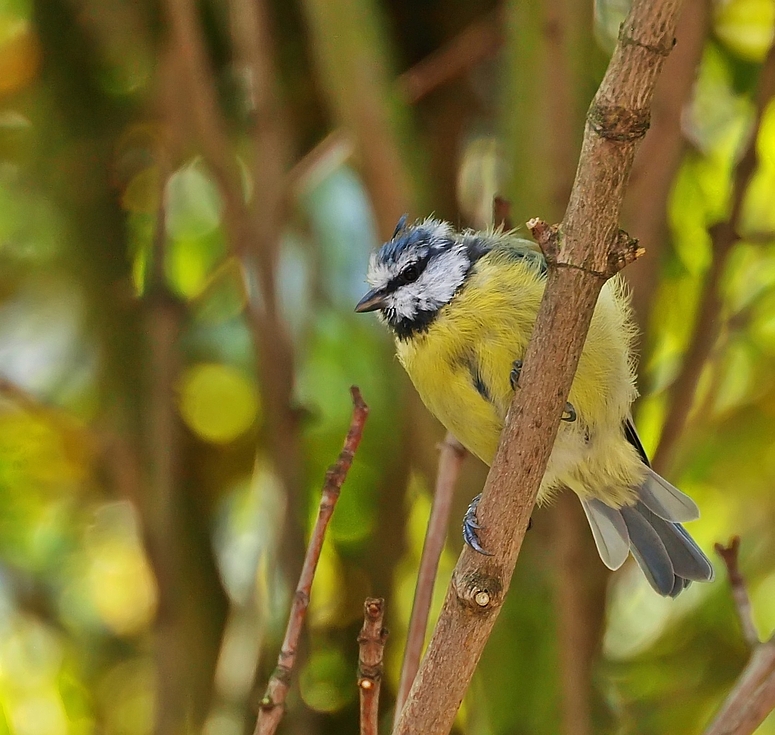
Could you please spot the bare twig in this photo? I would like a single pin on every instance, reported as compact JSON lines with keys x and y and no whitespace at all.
{"x":480,"y":40}
{"x":739,"y":590}
{"x":451,"y":456}
{"x":272,"y":704}
{"x":591,"y":248}
{"x":644,"y":211}
{"x":371,"y":644}
{"x":753,"y":696}
{"x":724,"y":236}
{"x":253,"y":231}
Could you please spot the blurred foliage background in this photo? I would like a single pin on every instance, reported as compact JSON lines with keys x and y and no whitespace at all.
{"x":189,"y":193}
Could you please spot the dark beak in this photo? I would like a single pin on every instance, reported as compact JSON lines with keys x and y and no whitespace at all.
{"x":373,"y":300}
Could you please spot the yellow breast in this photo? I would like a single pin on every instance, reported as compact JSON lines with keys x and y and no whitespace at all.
{"x":461,"y":364}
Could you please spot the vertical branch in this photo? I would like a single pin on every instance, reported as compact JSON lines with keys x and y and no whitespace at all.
{"x":371,"y":644}
{"x":253,"y":231}
{"x":451,"y":456}
{"x":272,"y":705}
{"x":644,"y":212}
{"x":724,"y":236}
{"x":138,"y":361}
{"x":270,"y":166}
{"x":350,"y":53}
{"x":580,"y":596}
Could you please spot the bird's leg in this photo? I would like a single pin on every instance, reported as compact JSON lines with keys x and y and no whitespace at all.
{"x":568,"y":415}
{"x":471,"y":525}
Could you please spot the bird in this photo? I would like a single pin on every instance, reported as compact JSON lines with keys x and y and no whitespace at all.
{"x":461,"y":306}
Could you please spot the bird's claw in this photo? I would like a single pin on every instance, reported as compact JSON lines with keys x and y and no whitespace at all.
{"x":516,"y":370}
{"x":471,"y":525}
{"x":569,"y":414}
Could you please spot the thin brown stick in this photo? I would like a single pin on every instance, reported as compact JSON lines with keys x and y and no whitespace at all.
{"x":475,"y":43}
{"x":739,"y":590}
{"x":371,"y":644}
{"x":724,"y":236}
{"x":587,"y":249}
{"x":272,"y":705}
{"x":644,"y":212}
{"x":451,"y":456}
{"x":580,"y":592}
{"x":253,"y":231}
{"x":753,"y":696}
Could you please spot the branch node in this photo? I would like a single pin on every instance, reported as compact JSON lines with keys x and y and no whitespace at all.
{"x":625,"y":251}
{"x":371,"y":644}
{"x":621,"y":124}
{"x":548,"y":238}
{"x":482,"y":598}
{"x":479,"y":593}
{"x":302,"y":598}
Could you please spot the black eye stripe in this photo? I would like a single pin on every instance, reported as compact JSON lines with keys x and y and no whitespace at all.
{"x":408,"y":275}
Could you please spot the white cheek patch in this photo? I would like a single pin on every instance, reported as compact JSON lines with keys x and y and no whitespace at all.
{"x":404,"y":301}
{"x":435,"y":287}
{"x":442,"y":278}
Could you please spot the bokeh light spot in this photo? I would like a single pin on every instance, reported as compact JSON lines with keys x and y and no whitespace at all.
{"x":217,"y":402}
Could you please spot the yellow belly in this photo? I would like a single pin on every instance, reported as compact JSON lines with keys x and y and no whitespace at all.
{"x":461,"y":365}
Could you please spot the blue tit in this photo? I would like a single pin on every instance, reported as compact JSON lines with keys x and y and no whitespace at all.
{"x":461,"y":306}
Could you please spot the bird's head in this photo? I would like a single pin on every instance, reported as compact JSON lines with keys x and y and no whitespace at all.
{"x":416,"y":273}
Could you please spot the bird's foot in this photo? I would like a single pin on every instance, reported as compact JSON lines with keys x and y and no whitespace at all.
{"x":516,"y":370}
{"x":471,"y":525}
{"x":569,"y":414}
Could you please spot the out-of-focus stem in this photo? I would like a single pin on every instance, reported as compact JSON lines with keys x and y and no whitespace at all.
{"x":451,"y":456}
{"x":351,"y":57}
{"x":753,"y":696}
{"x":723,"y":236}
{"x":644,"y":213}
